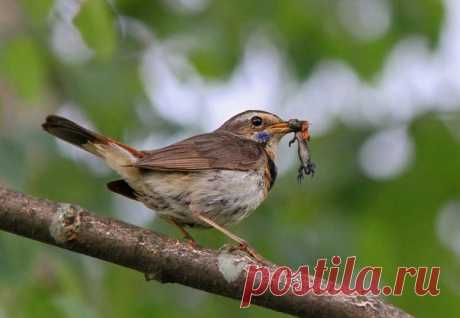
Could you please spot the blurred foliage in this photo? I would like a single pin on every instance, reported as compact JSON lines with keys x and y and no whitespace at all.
{"x":309,"y":30}
{"x":95,"y":21}
{"x":23,"y":66}
{"x":341,"y":212}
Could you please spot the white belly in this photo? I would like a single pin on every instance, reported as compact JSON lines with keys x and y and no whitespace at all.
{"x":226,"y":197}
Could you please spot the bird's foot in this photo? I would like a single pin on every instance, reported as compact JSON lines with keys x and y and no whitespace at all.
{"x":250,"y":251}
{"x":191,"y":242}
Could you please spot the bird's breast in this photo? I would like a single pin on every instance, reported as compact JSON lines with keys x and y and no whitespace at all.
{"x":225,"y":196}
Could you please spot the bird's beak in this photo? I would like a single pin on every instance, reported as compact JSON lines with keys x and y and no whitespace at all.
{"x":286,"y":127}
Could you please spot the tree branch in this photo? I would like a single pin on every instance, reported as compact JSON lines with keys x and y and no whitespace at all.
{"x":164,"y":259}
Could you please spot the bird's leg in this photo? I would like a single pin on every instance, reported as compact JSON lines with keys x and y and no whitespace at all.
{"x":186,"y":234}
{"x":243,"y":245}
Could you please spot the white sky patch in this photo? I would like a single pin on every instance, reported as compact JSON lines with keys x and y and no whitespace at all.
{"x":175,"y":98}
{"x":409,"y":80}
{"x":181,"y":95}
{"x":66,"y":39}
{"x":255,"y":84}
{"x":135,"y":29}
{"x":187,"y":6}
{"x":448,"y":226}
{"x":366,"y":20}
{"x":132,"y":211}
{"x":386,"y":154}
{"x":325,"y":96}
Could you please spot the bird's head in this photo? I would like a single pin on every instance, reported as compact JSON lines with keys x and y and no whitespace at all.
{"x":262,"y":127}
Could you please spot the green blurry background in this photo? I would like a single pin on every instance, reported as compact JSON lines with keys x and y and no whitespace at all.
{"x":379,"y":80}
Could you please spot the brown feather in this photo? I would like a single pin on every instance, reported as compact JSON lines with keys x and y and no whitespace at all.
{"x":72,"y":133}
{"x":218,"y":150}
{"x":77,"y":135}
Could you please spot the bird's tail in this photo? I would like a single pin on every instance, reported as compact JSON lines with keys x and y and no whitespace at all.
{"x":117,"y":155}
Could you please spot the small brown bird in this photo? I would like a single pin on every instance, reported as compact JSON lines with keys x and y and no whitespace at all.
{"x":210,"y":180}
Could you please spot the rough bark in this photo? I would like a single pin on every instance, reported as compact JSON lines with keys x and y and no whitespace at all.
{"x":164,"y":259}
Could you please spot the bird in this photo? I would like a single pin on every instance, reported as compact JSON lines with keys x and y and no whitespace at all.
{"x":211,"y":180}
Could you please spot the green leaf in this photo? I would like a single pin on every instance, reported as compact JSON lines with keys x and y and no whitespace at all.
{"x":37,"y":10}
{"x":24,"y":67}
{"x":215,"y":61}
{"x":96,"y":24}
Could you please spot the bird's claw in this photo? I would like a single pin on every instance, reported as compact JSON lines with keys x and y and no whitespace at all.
{"x":251,"y":252}
{"x":191,"y":243}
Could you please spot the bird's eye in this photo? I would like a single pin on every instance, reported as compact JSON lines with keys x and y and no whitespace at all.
{"x":256,"y":121}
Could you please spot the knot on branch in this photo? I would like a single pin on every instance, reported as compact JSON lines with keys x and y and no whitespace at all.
{"x":231,"y":267}
{"x":65,"y":223}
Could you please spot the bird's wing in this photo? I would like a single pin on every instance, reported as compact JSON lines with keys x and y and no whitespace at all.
{"x":216,"y":150}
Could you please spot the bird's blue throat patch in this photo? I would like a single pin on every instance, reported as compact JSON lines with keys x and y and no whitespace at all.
{"x":263,"y":137}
